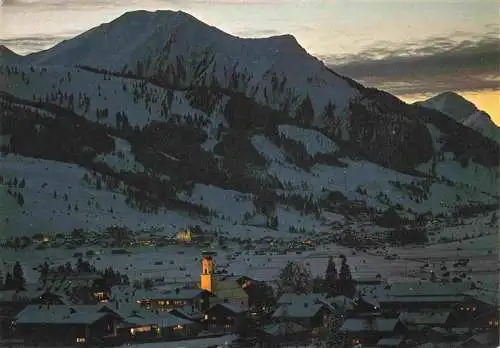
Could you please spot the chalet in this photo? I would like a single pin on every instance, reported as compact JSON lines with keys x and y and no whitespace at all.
{"x":228,"y":290}
{"x":308,"y":310}
{"x":428,"y":288}
{"x":482,"y":340}
{"x":179,"y":312}
{"x":64,"y":324}
{"x":366,"y":306}
{"x":415,"y":303}
{"x":140,"y":323}
{"x":343,"y":303}
{"x":13,"y":301}
{"x":435,"y":325}
{"x":369,"y":331}
{"x":479,"y":310}
{"x":75,"y":285}
{"x":224,"y":317}
{"x":423,"y":295}
{"x":419,"y":320}
{"x":196,"y":299}
{"x":277,"y":334}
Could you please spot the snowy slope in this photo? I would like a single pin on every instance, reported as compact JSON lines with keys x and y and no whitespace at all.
{"x":482,"y":122}
{"x":116,"y":94}
{"x":313,"y":141}
{"x":57,"y":199}
{"x":451,"y":104}
{"x":465,"y":112}
{"x":163,"y":39}
{"x":180,"y":147}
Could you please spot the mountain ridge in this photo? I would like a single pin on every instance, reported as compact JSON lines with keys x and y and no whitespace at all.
{"x":171,"y":139}
{"x":463,"y":111}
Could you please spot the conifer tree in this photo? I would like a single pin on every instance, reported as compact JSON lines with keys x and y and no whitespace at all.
{"x":295,"y":278}
{"x":345,"y":282}
{"x":331,"y":278}
{"x":18,"y":276}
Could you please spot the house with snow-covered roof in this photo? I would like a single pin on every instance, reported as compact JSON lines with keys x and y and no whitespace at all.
{"x":368,"y":331}
{"x":482,"y":340}
{"x":140,"y":323}
{"x":308,"y":310}
{"x":192,"y":300}
{"x":479,"y":309}
{"x":66,"y":324}
{"x":277,"y":334}
{"x":224,"y":317}
{"x":423,"y":295}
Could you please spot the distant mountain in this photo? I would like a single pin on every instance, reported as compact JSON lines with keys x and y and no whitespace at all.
{"x":157,"y":120}
{"x":465,"y":112}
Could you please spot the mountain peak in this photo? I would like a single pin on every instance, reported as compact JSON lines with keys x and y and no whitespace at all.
{"x":452,"y":104}
{"x":163,"y":15}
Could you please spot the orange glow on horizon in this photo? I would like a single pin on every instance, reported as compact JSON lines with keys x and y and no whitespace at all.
{"x":488,"y":101}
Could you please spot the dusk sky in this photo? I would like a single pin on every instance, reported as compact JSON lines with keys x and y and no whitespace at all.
{"x":411,"y":48}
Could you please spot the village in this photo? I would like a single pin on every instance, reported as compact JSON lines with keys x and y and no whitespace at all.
{"x":78,"y":304}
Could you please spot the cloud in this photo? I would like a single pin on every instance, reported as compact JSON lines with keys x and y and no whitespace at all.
{"x":436,"y":65}
{"x":28,"y":44}
{"x":257,"y":33}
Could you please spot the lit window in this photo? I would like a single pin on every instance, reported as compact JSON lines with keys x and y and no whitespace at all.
{"x":80,"y":340}
{"x":206,"y":317}
{"x":140,"y":329}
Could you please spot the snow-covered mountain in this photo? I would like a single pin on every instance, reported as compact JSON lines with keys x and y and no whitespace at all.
{"x":463,"y":111}
{"x":157,"y":120}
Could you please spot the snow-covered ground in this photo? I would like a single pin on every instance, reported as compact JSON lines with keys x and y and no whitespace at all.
{"x":222,"y":341}
{"x":58,"y":199}
{"x":121,"y":158}
{"x":229,"y":203}
{"x":313,"y":141}
{"x":182,"y":263}
{"x":141,"y":102}
{"x":375,"y":180}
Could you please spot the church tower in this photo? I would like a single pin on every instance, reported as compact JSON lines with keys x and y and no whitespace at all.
{"x":207,"y":278}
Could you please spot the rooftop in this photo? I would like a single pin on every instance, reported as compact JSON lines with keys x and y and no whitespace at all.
{"x":366,"y":325}
{"x":60,"y":314}
{"x":428,"y":288}
{"x":425,"y":318}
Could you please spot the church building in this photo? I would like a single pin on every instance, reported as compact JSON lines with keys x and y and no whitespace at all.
{"x":226,"y":289}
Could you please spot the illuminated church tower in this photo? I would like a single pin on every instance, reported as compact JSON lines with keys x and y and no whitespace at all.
{"x":207,"y":278}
